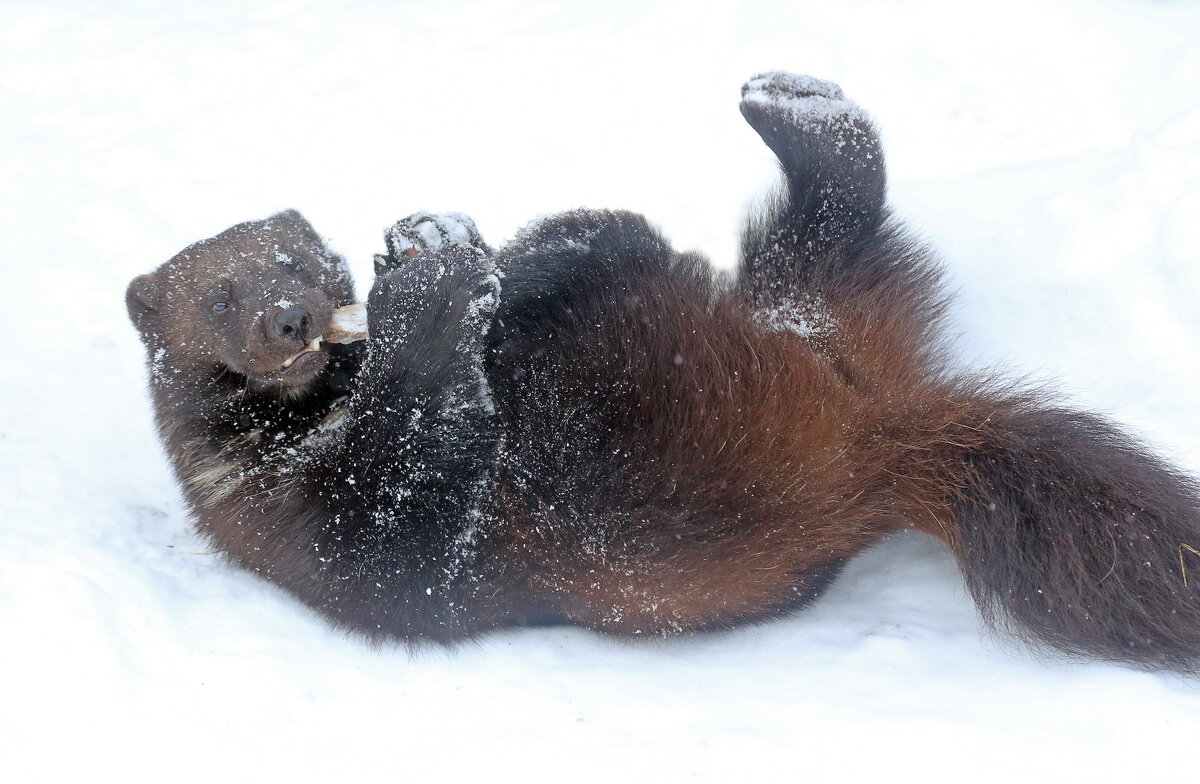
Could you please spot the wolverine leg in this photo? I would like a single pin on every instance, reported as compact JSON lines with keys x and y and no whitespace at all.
{"x":832,"y":200}
{"x":823,"y":259}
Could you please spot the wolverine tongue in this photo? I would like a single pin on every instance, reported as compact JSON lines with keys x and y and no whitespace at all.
{"x":314,"y":345}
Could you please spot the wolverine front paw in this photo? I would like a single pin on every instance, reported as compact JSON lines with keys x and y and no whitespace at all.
{"x":451,"y":292}
{"x":424,"y":231}
{"x":428,"y":320}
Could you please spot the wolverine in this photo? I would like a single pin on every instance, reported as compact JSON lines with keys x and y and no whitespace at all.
{"x":586,"y":426}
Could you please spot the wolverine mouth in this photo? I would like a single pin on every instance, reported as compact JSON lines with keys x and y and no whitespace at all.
{"x":302,"y":359}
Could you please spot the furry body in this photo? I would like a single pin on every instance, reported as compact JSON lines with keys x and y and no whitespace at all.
{"x":589,"y":427}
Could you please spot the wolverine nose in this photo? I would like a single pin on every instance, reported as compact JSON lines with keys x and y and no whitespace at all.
{"x":293,"y":323}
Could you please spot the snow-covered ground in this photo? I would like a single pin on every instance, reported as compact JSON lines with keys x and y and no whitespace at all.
{"x":1050,"y":149}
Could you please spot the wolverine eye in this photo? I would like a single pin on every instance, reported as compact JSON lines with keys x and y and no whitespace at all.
{"x":219,"y":306}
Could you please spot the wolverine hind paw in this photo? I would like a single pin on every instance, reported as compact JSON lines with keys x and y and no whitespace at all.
{"x":777,"y":98}
{"x":781,"y":85}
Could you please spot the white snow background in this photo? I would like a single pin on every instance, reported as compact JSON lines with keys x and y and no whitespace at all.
{"x":1051,"y":150}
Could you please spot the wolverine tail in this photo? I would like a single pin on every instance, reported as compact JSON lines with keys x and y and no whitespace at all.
{"x":1073,"y":534}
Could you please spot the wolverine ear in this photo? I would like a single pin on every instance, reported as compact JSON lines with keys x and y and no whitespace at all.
{"x":294,"y":222}
{"x":141,"y":298}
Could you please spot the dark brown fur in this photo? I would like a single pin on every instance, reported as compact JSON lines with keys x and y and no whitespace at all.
{"x":666,"y":452}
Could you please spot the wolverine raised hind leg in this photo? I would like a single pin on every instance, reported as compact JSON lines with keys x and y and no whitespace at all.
{"x":824,"y":252}
{"x":1068,"y":530}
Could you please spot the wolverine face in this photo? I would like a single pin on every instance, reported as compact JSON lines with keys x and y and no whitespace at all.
{"x":255,"y":300}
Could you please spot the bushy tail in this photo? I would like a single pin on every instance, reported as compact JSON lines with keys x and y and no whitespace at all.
{"x":1076,"y":536}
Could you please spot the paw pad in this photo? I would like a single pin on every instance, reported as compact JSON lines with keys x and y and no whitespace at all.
{"x":781,"y":84}
{"x":424,"y":231}
{"x":804,"y":101}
